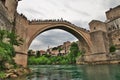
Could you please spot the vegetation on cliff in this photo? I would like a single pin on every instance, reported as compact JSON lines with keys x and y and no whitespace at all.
{"x":69,"y":58}
{"x":112,"y":48}
{"x":7,"y":41}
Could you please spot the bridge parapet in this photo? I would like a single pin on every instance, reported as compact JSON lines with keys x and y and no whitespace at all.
{"x":23,"y":16}
{"x":52,"y":21}
{"x":58,"y":21}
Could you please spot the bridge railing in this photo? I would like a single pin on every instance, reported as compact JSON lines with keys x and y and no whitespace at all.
{"x":39,"y":21}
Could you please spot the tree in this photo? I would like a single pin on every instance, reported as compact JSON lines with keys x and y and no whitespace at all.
{"x":30,"y":52}
{"x":74,"y":49}
{"x":59,"y":49}
{"x":37,"y":53}
{"x":74,"y":52}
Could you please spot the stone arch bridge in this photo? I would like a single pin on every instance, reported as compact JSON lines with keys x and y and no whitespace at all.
{"x":28,"y":30}
{"x":96,"y":43}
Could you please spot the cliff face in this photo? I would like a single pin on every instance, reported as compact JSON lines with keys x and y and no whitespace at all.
{"x":7,"y":15}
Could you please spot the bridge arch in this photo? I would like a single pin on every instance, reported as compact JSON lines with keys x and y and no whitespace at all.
{"x":81,"y":35}
{"x":29,"y":30}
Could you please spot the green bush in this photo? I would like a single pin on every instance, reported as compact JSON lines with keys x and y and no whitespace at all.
{"x":2,"y":75}
{"x":7,"y":41}
{"x":70,"y":58}
{"x":112,"y":48}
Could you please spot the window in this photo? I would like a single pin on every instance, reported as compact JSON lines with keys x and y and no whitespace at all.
{"x":94,"y":28}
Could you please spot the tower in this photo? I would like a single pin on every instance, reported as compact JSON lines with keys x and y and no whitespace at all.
{"x":99,"y":36}
{"x":100,"y":41}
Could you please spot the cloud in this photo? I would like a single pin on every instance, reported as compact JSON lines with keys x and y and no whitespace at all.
{"x":33,"y":11}
{"x":110,"y":4}
{"x":81,"y":24}
{"x":76,"y":10}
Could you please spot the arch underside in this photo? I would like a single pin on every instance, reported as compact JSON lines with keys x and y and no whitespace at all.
{"x":83,"y":44}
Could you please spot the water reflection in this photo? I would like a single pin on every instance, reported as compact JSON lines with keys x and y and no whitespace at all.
{"x":102,"y":72}
{"x":50,"y":73}
{"x":74,"y":72}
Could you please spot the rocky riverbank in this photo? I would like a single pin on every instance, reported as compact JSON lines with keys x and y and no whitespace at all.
{"x":12,"y":72}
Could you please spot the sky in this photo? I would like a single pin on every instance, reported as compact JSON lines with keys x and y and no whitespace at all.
{"x":78,"y":12}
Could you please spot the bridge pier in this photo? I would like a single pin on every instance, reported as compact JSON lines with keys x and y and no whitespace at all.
{"x":21,"y":59}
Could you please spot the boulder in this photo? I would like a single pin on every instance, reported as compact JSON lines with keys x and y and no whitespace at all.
{"x":8,"y":65}
{"x":13,"y":76}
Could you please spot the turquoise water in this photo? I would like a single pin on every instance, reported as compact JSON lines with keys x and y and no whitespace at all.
{"x":74,"y":72}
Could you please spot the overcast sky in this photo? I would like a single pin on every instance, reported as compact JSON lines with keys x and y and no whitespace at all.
{"x":79,"y":12}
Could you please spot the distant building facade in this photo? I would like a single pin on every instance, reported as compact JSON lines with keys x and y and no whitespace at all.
{"x":42,"y":52}
{"x":60,"y":50}
{"x":104,"y":35}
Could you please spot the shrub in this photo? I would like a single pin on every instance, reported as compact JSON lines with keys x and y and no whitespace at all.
{"x":2,"y":75}
{"x":112,"y":48}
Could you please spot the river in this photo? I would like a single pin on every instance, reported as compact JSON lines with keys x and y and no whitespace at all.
{"x":73,"y":72}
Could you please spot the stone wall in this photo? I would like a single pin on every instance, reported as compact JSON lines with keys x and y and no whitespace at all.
{"x":96,"y":25}
{"x":113,"y":25}
{"x":95,"y":57}
{"x":11,"y":6}
{"x":4,"y":21}
{"x":114,"y":38}
{"x":113,"y":13}
{"x":100,"y":41}
{"x":21,"y":30}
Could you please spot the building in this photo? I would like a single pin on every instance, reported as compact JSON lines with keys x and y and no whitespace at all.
{"x":110,"y":28}
{"x":60,"y":50}
{"x":104,"y":35}
{"x":42,"y":52}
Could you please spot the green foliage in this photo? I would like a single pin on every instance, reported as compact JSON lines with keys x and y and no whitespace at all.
{"x":59,"y":49}
{"x":3,"y":35}
{"x":112,"y":48}
{"x":74,"y":49}
{"x":29,"y":52}
{"x":8,"y":48}
{"x":14,"y":39}
{"x":7,"y":40}
{"x":40,"y":60}
{"x":70,"y":58}
{"x":2,"y":75}
{"x":74,"y":52}
{"x":55,"y":48}
{"x":37,"y":53}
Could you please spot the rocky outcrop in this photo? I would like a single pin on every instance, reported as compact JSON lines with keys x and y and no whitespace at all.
{"x":12,"y":72}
